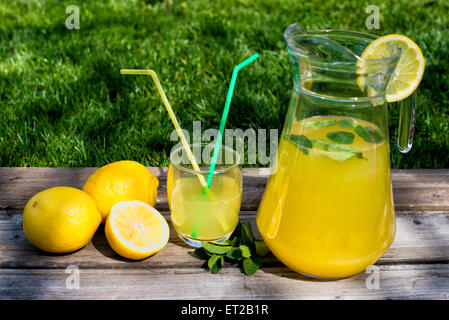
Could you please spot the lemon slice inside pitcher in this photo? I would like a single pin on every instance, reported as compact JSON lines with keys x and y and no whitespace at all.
{"x":409,"y":70}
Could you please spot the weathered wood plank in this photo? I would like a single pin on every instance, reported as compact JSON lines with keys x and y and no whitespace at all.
{"x":416,"y":266}
{"x":18,"y":185}
{"x":395,"y":282}
{"x":414,"y":190}
{"x":424,"y":189}
{"x":421,"y":237}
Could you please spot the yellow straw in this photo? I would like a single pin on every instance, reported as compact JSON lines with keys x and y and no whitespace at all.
{"x":172,"y":117}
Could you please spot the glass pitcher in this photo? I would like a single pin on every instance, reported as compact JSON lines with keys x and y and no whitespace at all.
{"x":327,"y":210}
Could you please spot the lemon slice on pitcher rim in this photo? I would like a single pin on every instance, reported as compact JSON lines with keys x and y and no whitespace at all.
{"x":409,"y":70}
{"x":135,"y":230}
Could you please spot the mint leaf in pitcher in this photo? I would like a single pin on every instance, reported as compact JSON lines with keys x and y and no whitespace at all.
{"x":341,"y":137}
{"x":347,"y":123}
{"x":321,"y":144}
{"x":342,"y":152}
{"x":302,"y":142}
{"x":339,"y":152}
{"x":341,"y":156}
{"x":318,"y":124}
{"x":368,"y":134}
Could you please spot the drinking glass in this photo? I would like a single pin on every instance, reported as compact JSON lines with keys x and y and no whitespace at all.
{"x":198,"y":214}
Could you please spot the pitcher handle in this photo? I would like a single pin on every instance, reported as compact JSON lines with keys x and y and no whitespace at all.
{"x":406,"y":122}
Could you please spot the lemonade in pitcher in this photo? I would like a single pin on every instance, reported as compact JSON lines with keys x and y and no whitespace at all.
{"x":327,"y":210}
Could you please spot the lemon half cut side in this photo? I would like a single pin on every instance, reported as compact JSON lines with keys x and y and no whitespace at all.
{"x":409,"y":70}
{"x":135,"y":230}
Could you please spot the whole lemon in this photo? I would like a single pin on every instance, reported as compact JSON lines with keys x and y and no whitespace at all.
{"x":60,"y":219}
{"x":121,"y":181}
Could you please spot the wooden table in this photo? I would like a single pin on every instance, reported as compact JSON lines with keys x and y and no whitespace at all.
{"x":416,"y":265}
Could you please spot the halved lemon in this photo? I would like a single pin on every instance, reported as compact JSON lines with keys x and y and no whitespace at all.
{"x":135,"y":230}
{"x":410,"y":68}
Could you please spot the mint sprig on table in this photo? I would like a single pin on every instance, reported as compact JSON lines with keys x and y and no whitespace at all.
{"x":241,"y":247}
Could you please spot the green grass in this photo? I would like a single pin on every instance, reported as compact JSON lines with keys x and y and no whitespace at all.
{"x":64,"y":103}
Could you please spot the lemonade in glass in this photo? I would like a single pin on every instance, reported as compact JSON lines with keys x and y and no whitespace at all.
{"x":198,"y":214}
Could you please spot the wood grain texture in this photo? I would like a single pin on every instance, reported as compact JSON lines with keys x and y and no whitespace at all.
{"x":414,"y":190}
{"x":415,"y":267}
{"x":421,"y":237}
{"x":395,"y":282}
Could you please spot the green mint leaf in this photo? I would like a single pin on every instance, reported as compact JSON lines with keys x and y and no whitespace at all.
{"x":302,"y":142}
{"x":347,"y":123}
{"x":215,"y":263}
{"x":342,"y":152}
{"x":317,"y":124}
{"x":321,"y":144}
{"x":341,"y":156}
{"x":202,"y":254}
{"x":341,"y":137}
{"x":215,"y":249}
{"x":368,"y":134}
{"x":235,"y":241}
{"x":246,"y":237}
{"x":237,"y":230}
{"x":341,"y":148}
{"x":338,"y":152}
{"x":226,"y":243}
{"x":234,"y":254}
{"x":230,"y":242}
{"x":304,"y":150}
{"x":261,"y":248}
{"x":241,"y":247}
{"x":251,"y":265}
{"x":250,"y":230}
{"x":246,"y":253}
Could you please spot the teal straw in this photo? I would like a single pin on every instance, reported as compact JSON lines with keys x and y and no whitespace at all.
{"x":224,"y":117}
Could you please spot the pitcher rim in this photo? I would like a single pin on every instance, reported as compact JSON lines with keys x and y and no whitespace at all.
{"x":289,"y":33}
